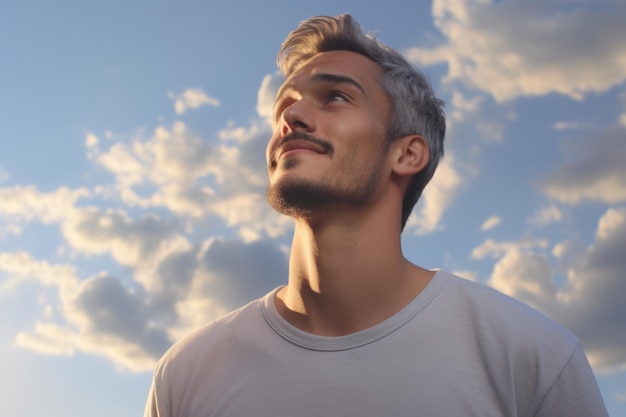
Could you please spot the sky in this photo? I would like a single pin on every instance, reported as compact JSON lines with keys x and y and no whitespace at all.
{"x":132,"y":176}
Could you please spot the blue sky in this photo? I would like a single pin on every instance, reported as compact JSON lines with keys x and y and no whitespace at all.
{"x":132,"y":176}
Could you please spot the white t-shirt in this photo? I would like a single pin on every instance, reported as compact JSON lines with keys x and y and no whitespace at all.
{"x":458,"y":349}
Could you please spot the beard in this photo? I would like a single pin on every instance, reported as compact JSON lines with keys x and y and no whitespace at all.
{"x":299,"y":197}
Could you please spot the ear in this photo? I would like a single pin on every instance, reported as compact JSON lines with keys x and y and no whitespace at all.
{"x":410,"y":155}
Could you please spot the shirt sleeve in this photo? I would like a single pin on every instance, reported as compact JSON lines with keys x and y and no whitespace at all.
{"x":575,"y":392}
{"x":157,"y":404}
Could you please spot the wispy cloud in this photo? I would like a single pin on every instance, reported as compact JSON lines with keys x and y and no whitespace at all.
{"x":569,"y":125}
{"x":192,"y":98}
{"x":546,"y":215}
{"x":490,"y":223}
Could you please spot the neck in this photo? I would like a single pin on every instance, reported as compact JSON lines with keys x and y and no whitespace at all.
{"x":343,"y":279}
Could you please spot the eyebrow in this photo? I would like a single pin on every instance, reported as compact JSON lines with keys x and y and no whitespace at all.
{"x":338,"y":79}
{"x":325,"y":78}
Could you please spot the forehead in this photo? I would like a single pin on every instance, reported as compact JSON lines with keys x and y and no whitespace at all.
{"x":344,"y":63}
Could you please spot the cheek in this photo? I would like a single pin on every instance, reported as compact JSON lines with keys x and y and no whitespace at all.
{"x":270,"y":147}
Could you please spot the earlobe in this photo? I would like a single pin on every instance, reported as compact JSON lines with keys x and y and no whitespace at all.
{"x":410,"y":155}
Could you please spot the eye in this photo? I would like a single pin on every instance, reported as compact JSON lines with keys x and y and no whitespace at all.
{"x":334,"y":96}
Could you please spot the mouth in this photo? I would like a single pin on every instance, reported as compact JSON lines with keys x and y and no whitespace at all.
{"x":299,"y":146}
{"x":299,"y":142}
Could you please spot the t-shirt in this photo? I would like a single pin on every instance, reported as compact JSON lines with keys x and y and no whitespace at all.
{"x":458,"y":349}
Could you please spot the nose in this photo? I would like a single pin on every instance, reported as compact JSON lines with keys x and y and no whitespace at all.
{"x":297,"y":116}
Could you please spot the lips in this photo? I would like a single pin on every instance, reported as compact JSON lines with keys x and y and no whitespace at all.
{"x":295,"y":145}
{"x":295,"y":141}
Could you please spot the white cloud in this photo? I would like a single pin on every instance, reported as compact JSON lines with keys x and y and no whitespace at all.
{"x":569,"y":125}
{"x":21,"y":266}
{"x":524,"y":275}
{"x":267,"y":94}
{"x":26,"y":203}
{"x":494,"y":249}
{"x":594,"y":169}
{"x":91,"y":140}
{"x":100,"y":315}
{"x":437,"y":197}
{"x":219,"y":281}
{"x":48,"y":339}
{"x":192,"y":98}
{"x":490,"y":223}
{"x":252,"y":216}
{"x":546,"y":215}
{"x":512,"y":49}
{"x":183,"y":285}
{"x":590,"y":302}
{"x":131,"y":242}
{"x":175,"y":282}
{"x":178,"y":170}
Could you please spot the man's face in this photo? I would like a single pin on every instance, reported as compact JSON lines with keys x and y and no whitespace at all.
{"x":329,"y":142}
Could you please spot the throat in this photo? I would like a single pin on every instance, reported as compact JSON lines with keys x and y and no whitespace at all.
{"x":341,"y":304}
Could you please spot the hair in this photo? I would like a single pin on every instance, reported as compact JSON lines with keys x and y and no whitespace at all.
{"x":414,"y":108}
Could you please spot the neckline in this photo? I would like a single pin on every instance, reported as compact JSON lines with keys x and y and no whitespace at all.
{"x":312,"y":341}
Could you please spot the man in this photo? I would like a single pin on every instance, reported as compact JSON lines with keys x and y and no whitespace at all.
{"x":358,"y":330}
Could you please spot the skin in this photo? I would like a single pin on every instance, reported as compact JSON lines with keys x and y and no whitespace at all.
{"x":346,"y":267}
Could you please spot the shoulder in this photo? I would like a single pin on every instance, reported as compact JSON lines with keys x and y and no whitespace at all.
{"x":543,"y":359}
{"x":504,"y":317}
{"x":212,"y":339}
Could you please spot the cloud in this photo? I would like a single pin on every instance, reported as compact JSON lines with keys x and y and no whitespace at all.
{"x":437,"y":197}
{"x":490,"y":223}
{"x":115,"y":322}
{"x":133,"y":325}
{"x":4,"y":175}
{"x":593,"y":170}
{"x":495,"y":249}
{"x":91,"y":140}
{"x":464,"y":106}
{"x":221,"y":280}
{"x":546,"y":215}
{"x":176,"y":278}
{"x":103,"y":318}
{"x":590,"y":302}
{"x":190,"y":176}
{"x":22,"y":204}
{"x":267,"y":94}
{"x":512,"y":49}
{"x":569,"y":125}
{"x":192,"y":98}
{"x":23,"y":267}
{"x":131,"y":242}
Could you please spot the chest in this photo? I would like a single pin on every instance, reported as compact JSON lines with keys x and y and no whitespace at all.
{"x":398,"y":381}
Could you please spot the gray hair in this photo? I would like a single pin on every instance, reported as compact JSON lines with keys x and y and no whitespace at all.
{"x":414,"y":107}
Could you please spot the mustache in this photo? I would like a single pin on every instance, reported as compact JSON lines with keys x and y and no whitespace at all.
{"x":321,"y":143}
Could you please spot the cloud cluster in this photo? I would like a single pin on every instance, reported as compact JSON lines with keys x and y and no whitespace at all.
{"x":533,"y":48}
{"x":170,"y":192}
{"x":185,"y":223}
{"x":508,"y":50}
{"x":174,"y":286}
{"x":589,"y":301}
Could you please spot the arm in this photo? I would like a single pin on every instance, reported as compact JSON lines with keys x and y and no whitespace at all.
{"x":575,"y":392}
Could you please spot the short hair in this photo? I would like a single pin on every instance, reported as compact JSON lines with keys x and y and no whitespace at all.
{"x":414,"y":107}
